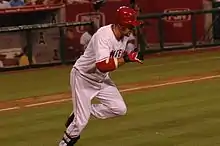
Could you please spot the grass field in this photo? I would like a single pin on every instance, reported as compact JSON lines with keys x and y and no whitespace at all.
{"x":184,"y":114}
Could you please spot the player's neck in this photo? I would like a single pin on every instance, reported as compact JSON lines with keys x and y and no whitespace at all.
{"x":116,"y":32}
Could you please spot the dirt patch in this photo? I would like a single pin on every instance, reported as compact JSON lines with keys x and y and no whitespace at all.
{"x":34,"y":100}
{"x":21,"y":103}
{"x":167,"y":80}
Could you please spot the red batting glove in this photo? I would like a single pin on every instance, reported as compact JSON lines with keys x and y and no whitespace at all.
{"x":132,"y":57}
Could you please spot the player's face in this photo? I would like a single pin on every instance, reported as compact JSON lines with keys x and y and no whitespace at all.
{"x":126,"y":31}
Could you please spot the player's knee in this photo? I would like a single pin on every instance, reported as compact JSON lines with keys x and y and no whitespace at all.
{"x":122,"y":109}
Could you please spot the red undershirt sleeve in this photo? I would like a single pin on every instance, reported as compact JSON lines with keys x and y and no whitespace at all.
{"x":107,"y":65}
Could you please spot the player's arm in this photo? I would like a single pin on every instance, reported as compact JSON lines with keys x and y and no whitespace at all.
{"x":133,"y":56}
{"x":132,"y":53}
{"x":104,"y":62}
{"x":109,"y":64}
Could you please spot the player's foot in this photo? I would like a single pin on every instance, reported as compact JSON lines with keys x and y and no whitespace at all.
{"x":68,"y":141}
{"x":69,"y":120}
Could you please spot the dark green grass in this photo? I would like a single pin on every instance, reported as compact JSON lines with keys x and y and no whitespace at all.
{"x":176,"y":115}
{"x":54,"y":80}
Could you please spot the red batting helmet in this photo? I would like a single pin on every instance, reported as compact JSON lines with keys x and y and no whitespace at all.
{"x":126,"y":16}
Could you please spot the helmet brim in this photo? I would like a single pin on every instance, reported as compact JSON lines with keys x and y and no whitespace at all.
{"x":136,"y":23}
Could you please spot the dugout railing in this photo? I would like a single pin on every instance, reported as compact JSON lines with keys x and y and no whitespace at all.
{"x":28,"y":36}
{"x":196,"y":42}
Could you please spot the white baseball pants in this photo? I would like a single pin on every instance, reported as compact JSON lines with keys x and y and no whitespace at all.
{"x":83,"y":91}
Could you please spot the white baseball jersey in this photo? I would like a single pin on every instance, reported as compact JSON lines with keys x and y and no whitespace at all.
{"x":103,"y":45}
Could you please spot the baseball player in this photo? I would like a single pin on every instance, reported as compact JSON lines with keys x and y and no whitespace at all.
{"x":89,"y":76}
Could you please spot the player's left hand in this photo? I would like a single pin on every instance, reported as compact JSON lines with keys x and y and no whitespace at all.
{"x":132,"y":57}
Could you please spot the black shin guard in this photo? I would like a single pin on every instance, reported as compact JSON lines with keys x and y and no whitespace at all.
{"x":70,"y":141}
{"x":69,"y":120}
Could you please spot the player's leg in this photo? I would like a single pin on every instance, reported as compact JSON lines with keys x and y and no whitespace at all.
{"x":70,"y":119}
{"x":72,"y":84}
{"x":82,"y":93}
{"x":112,"y":103}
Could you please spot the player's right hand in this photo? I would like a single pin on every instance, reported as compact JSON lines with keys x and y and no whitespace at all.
{"x":132,"y":57}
